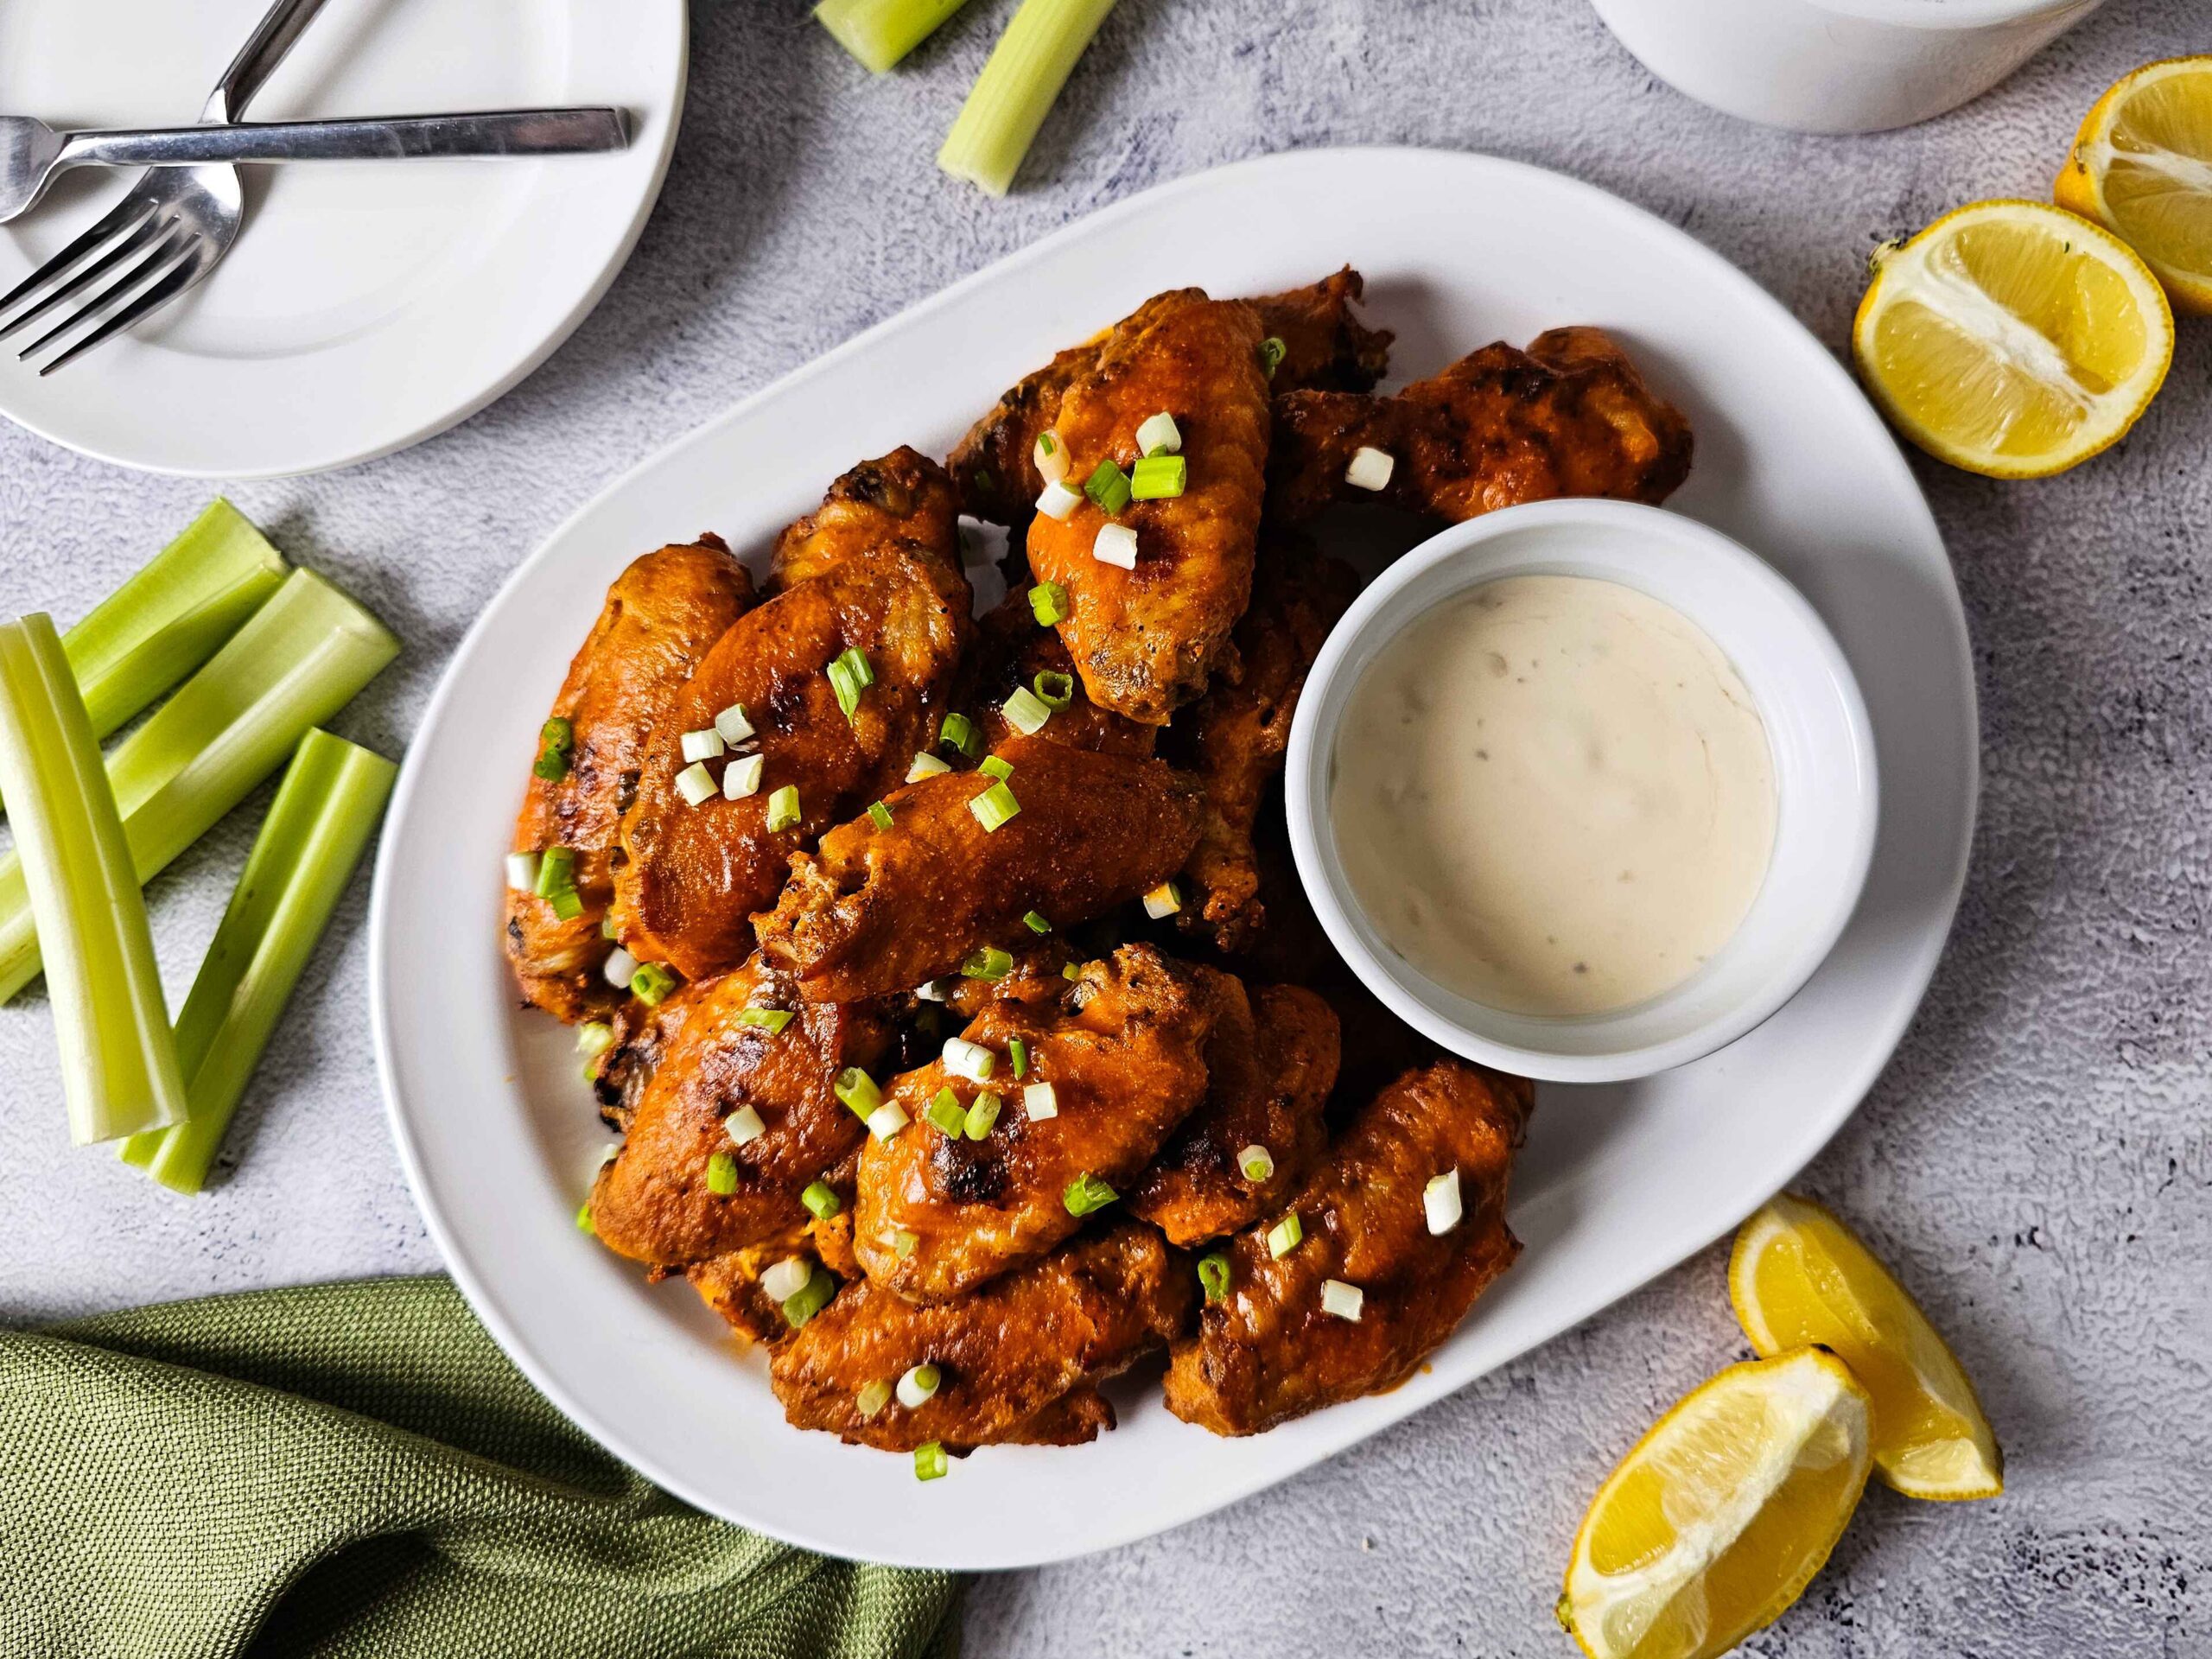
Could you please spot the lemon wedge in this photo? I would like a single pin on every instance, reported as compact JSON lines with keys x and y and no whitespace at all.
{"x":2012,"y":338}
{"x":1799,"y":1276}
{"x":2141,"y":167}
{"x":1720,"y":1515}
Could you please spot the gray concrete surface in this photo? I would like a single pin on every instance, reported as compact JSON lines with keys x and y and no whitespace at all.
{"x":2037,"y":1161}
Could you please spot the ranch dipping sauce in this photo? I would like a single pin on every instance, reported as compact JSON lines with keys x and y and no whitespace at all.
{"x":1554,"y":795}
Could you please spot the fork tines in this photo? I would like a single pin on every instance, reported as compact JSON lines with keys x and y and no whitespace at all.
{"x":155,"y":256}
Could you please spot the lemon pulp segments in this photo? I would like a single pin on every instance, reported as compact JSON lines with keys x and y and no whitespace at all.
{"x":1799,"y":1276}
{"x":1721,"y":1515}
{"x":2141,"y":166}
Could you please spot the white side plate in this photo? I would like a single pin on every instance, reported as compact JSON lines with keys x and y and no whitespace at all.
{"x":1618,"y":1184}
{"x":366,"y":306}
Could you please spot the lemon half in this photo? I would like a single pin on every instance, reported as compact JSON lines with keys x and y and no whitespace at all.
{"x":1799,"y":1276}
{"x":2141,"y":166}
{"x":1719,"y":1518}
{"x":2012,"y":338}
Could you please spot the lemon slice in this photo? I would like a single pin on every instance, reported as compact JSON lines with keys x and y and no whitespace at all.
{"x":2012,"y":338}
{"x":1799,"y":1276}
{"x":2142,"y":167}
{"x":1722,"y":1513}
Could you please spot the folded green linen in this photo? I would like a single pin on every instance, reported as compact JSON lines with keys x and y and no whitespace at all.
{"x":356,"y":1470}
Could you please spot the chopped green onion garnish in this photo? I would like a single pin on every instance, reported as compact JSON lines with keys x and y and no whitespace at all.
{"x":1257,"y":1163}
{"x":583,"y":1217}
{"x":1017,"y":1054}
{"x":886,"y":1119}
{"x":925,"y":765}
{"x":595,"y":1038}
{"x":741,"y":777}
{"x":1015,"y":90}
{"x":987,"y":962}
{"x":846,"y":687}
{"x":556,"y":738}
{"x":556,"y":868}
{"x":652,"y":982}
{"x":733,"y":725}
{"x":857,"y":664}
{"x":1116,"y":545}
{"x":983,"y":1113}
{"x":1272,"y":352}
{"x":1048,"y":603}
{"x":995,"y":806}
{"x":769,"y":1019}
{"x":1163,"y":900}
{"x":1158,"y":478}
{"x":1071,"y":970}
{"x":1086,"y":1194}
{"x":1040,"y":1101}
{"x":744,"y":1126}
{"x":903,"y":1243}
{"x":722,"y":1174}
{"x":619,"y":969}
{"x":930,"y":990}
{"x":1283,"y":1237}
{"x":1055,"y":501}
{"x":858,"y":1091}
{"x":959,"y":732}
{"x":705,"y":744}
{"x":522,"y":871}
{"x":930,"y":1461}
{"x":946,"y":1112}
{"x":1213,"y":1273}
{"x":1035,"y":922}
{"x":1370,"y":468}
{"x":1108,"y":486}
{"x":1055,"y":691}
{"x":821,"y":1200}
{"x":787,"y":1278}
{"x":567,"y":904}
{"x":607,"y":927}
{"x":872,"y":1398}
{"x":783,"y":809}
{"x":1027,"y":712}
{"x":1158,"y":435}
{"x":695,"y":784}
{"x":917,"y":1385}
{"x":1050,"y":456}
{"x":810,"y":1300}
{"x":1440,"y":1201}
{"x":878,"y":814}
{"x":880,"y":32}
{"x":970,"y":1060}
{"x":995,"y":767}
{"x":1342,"y":1300}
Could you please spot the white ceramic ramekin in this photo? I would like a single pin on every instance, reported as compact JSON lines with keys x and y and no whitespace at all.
{"x":1838,"y":65}
{"x":1816,"y":725}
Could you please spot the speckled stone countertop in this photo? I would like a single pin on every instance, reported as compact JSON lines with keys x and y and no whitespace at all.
{"x":2036,"y":1162}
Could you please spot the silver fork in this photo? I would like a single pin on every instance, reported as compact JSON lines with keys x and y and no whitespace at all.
{"x":172,"y":228}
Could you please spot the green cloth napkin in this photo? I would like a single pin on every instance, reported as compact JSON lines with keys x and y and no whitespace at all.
{"x":356,"y":1469}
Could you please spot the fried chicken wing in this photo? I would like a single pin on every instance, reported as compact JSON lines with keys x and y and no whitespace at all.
{"x":1123,"y":1056}
{"x":658,"y":620}
{"x":1232,"y":739}
{"x":1019,"y":1360}
{"x":1269,"y":1069}
{"x":1326,"y":347}
{"x":696,"y":873}
{"x":875,"y":911}
{"x":1013,"y":651}
{"x":1269,"y":1351}
{"x":1570,"y":415}
{"x":1144,"y":640}
{"x":656,"y":1202}
{"x":901,"y":498}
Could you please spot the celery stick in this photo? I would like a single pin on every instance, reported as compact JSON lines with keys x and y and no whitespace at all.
{"x":880,"y":32}
{"x":119,"y":1071}
{"x":1013,"y":94}
{"x":297,"y":661}
{"x":301,"y":864}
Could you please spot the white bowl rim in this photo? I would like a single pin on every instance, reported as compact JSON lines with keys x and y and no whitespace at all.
{"x":1309,"y":747}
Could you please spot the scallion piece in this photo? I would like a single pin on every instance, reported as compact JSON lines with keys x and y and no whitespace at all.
{"x":294,"y":663}
{"x":741,"y":777}
{"x":959,"y":732}
{"x":787,"y":1278}
{"x":556,"y":868}
{"x":1048,"y":603}
{"x":1035,"y":922}
{"x":858,"y":1091}
{"x":1071,"y":970}
{"x":995,"y":806}
{"x":651,"y":983}
{"x":903,"y":1243}
{"x":732,"y":724}
{"x":595,"y":1038}
{"x":1108,"y":486}
{"x":970,"y":1060}
{"x":821,"y":1200}
{"x":1017,"y":1058}
{"x":996,"y":766}
{"x":880,"y":32}
{"x":556,"y":738}
{"x":1159,"y":478}
{"x":1057,"y":501}
{"x":771,"y":1020}
{"x":1370,"y":468}
{"x":1213,"y":1274}
{"x":1163,"y":900}
{"x":567,"y":904}
{"x":930,"y":990}
{"x":1158,"y":435}
{"x":705,"y":744}
{"x":1050,"y":456}
{"x":919,"y":1385}
{"x":522,"y":871}
{"x":878,"y":814}
{"x":810,"y":1299}
{"x":325,"y":814}
{"x":1116,"y":545}
{"x":744,"y":1127}
{"x":783,"y":809}
{"x":930,"y":1462}
{"x":886,"y":1119}
{"x":1039,"y":1101}
{"x":925,"y":765}
{"x":1342,"y":1300}
{"x":986,"y":961}
{"x":846,"y":687}
{"x":1283,"y":1237}
{"x":1272,"y":352}
{"x":1257,"y":1163}
{"x":619,"y":968}
{"x":120,"y":1069}
{"x":695,"y":784}
{"x":947,"y":1113}
{"x":982,"y":1113}
{"x":584,"y":1223}
{"x":872,"y":1398}
{"x":1055,"y":691}
{"x":1027,"y":712}
{"x":722,"y":1174}
{"x":1015,"y":90}
{"x":857,"y":664}
{"x":1440,"y":1201}
{"x":1086,"y":1194}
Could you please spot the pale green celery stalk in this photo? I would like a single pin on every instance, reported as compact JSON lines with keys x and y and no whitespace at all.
{"x":880,"y":32}
{"x":119,"y":1071}
{"x":1013,"y":94}
{"x":297,"y":661}
{"x":301,"y":864}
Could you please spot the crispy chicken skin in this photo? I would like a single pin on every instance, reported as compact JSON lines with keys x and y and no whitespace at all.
{"x":903,"y":497}
{"x":876,"y":910}
{"x":1125,"y":1053}
{"x":695,"y":873}
{"x":1268,"y":1352}
{"x":1326,"y":347}
{"x":1232,"y":739}
{"x":1019,"y":1358}
{"x":1570,"y":415}
{"x":1269,"y":1069}
{"x":659,"y":619}
{"x":1144,"y":640}
{"x":1011,"y":651}
{"x":652,"y":1203}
